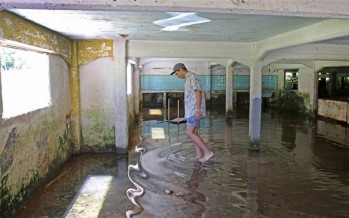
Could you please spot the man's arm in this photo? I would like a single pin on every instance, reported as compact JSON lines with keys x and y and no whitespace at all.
{"x":198,"y":104}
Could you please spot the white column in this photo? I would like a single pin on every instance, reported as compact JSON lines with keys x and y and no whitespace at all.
{"x":209,"y":91}
{"x":121,"y":111}
{"x":164,"y":100}
{"x":136,"y":87}
{"x":229,"y":90}
{"x":1,"y":104}
{"x":255,"y":105}
{"x":315,"y":92}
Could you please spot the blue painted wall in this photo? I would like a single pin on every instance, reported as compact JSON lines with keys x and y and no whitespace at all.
{"x":214,"y":83}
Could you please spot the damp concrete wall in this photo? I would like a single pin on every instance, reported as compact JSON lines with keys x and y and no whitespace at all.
{"x":336,"y":110}
{"x":33,"y":146}
{"x":97,"y":95}
{"x":97,"y":67}
{"x":97,"y":85}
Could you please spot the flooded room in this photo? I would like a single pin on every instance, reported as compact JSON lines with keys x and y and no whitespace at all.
{"x":174,"y":109}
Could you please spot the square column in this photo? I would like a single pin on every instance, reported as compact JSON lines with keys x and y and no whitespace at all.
{"x":229,"y":91}
{"x":121,"y":107}
{"x":255,"y":106}
{"x":137,"y":92}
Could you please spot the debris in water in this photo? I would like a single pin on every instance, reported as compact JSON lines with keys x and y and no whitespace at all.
{"x":169,"y":192}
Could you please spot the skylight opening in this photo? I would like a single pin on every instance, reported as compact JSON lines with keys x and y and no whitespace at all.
{"x":180,"y":20}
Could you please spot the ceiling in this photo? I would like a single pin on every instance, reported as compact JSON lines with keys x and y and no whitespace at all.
{"x":273,"y":25}
{"x":138,"y":25}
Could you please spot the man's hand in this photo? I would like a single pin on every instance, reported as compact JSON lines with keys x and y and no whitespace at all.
{"x":198,"y":115}
{"x":177,"y":120}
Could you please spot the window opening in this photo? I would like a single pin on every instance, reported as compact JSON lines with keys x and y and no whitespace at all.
{"x":25,"y":84}
{"x":291,"y":79}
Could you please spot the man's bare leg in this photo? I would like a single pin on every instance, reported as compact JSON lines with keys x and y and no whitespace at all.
{"x":192,"y":133}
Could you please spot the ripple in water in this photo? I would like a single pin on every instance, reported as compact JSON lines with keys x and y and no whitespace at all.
{"x":298,"y":171}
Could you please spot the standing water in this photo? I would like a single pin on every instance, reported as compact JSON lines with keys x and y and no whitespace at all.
{"x":301,"y":170}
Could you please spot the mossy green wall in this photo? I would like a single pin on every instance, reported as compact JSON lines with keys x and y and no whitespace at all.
{"x":97,"y":91}
{"x":97,"y":88}
{"x":33,"y":146}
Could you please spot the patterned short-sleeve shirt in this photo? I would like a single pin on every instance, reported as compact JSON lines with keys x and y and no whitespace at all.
{"x":192,"y":83}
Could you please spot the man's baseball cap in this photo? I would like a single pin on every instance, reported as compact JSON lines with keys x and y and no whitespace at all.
{"x":177,"y":67}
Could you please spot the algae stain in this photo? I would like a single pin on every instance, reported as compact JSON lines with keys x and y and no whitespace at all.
{"x":254,"y":144}
{"x":101,"y":129}
{"x":10,"y":203}
{"x":6,"y":157}
{"x":67,"y":140}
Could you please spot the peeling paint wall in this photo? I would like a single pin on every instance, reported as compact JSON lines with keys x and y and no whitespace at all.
{"x":15,"y":28}
{"x":337,"y":110}
{"x":97,"y":95}
{"x":90,"y":50}
{"x":33,"y":146}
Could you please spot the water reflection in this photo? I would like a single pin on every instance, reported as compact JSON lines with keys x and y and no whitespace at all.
{"x":301,"y":163}
{"x":134,"y":172}
{"x":300,"y":171}
{"x":198,"y":175}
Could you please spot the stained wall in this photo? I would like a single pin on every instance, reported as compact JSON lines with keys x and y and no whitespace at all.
{"x":34,"y":146}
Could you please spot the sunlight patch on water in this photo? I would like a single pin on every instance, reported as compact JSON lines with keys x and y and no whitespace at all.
{"x":89,"y":201}
{"x":157,"y":133}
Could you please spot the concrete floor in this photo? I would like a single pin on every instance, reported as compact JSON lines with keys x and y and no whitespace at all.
{"x":301,"y":171}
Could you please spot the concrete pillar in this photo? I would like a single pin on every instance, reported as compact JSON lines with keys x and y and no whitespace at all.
{"x":333,"y":84}
{"x":229,"y":90}
{"x":315,"y":91}
{"x":1,"y":104}
{"x":136,"y":86}
{"x":209,"y":91}
{"x":121,"y":107}
{"x":255,"y":106}
{"x":164,"y":100}
{"x":74,"y":83}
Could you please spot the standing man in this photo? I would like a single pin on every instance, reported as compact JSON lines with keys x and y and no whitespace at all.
{"x":195,"y":109}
